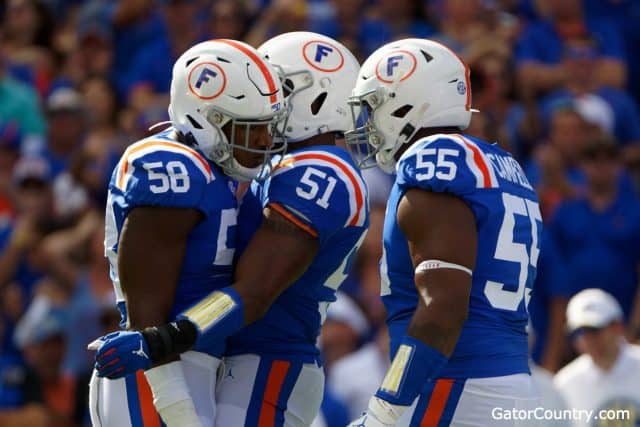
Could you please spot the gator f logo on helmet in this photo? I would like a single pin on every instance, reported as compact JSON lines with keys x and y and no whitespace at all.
{"x":397,"y":64}
{"x":323,"y":56}
{"x":207,"y":80}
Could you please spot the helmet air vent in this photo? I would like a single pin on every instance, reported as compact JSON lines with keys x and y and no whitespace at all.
{"x":317,"y":103}
{"x":189,"y":62}
{"x":427,"y":57}
{"x":193,"y":122}
{"x":402,"y":111}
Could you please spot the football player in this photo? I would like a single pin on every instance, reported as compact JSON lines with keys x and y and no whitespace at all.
{"x":303,"y":225}
{"x":170,"y":228}
{"x":461,"y":243}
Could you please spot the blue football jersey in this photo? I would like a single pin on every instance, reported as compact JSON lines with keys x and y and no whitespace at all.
{"x":160,"y":171}
{"x":493,"y":341}
{"x":322,"y":191}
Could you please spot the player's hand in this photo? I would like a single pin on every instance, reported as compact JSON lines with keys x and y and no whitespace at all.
{"x":120,"y":354}
{"x":368,"y":420}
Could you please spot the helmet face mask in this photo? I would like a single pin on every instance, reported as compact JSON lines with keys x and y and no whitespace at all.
{"x":237,"y":139}
{"x":365,"y":140}
{"x":221,"y":90}
{"x":293,"y":82}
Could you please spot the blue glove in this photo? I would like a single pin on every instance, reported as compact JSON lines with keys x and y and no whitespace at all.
{"x":122,"y":353}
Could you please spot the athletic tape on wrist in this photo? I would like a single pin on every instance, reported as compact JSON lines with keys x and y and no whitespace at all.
{"x":217,"y":316}
{"x":413,"y":365}
{"x":213,"y":308}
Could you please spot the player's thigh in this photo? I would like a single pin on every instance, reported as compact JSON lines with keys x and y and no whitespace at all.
{"x":125,"y":402}
{"x":475,"y":402}
{"x":500,"y":401}
{"x":128,"y":402}
{"x":257,"y":390}
{"x":201,"y":373}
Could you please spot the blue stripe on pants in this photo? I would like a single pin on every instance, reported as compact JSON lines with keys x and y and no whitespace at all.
{"x":133,"y":401}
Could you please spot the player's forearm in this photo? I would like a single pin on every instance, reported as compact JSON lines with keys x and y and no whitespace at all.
{"x":214,"y":318}
{"x":443,"y":304}
{"x":439,"y":325}
{"x":261,"y":279}
{"x":430,"y":339}
{"x":208,"y":322}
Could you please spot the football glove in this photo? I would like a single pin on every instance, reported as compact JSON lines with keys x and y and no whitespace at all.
{"x":120,"y":354}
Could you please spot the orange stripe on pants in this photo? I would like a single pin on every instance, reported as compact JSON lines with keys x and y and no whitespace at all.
{"x":437,"y":403}
{"x":150,"y":417}
{"x":275,"y":380}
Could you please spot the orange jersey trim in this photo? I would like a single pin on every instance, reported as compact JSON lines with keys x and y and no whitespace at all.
{"x":124,"y":167}
{"x":291,"y":217}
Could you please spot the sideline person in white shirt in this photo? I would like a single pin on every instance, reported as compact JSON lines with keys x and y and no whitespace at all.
{"x":607,"y":374}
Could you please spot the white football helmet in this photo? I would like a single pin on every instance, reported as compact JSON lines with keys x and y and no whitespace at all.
{"x":402,"y":87}
{"x":226,"y":81}
{"x":318,"y":74}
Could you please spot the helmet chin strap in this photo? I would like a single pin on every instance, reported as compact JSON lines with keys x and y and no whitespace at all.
{"x":241,"y":173}
{"x":386,"y":158}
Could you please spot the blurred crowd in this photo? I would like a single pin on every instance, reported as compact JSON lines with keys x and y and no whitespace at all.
{"x":557,"y":83}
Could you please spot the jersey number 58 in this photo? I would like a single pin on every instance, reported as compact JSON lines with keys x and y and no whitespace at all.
{"x":174,"y":176}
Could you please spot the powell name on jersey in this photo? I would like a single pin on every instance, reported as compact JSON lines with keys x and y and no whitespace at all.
{"x":160,"y":171}
{"x":493,"y":341}
{"x":321,"y":190}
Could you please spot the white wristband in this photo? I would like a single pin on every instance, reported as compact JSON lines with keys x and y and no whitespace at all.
{"x":434,"y":264}
{"x":171,"y":395}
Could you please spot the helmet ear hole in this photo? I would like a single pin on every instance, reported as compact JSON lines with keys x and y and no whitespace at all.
{"x":402,"y":111}
{"x":190,"y":140}
{"x":317,"y":103}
